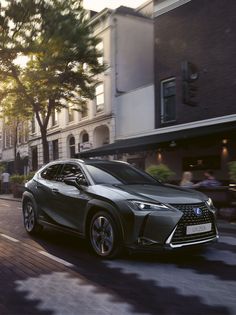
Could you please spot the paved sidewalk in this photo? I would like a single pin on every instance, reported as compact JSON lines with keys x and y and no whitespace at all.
{"x":9,"y":197}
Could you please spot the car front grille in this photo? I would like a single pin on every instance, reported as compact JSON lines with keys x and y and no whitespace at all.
{"x":190,"y":218}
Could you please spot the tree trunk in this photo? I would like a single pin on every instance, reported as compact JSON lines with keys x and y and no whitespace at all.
{"x":15,"y":157}
{"x":43,"y":124}
{"x":45,"y":145}
{"x":15,"y":149}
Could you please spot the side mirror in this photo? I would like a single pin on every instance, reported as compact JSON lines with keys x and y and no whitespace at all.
{"x":81,"y":180}
{"x":76,"y":181}
{"x":71,"y":181}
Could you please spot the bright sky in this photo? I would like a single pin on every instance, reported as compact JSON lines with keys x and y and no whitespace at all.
{"x":98,"y":5}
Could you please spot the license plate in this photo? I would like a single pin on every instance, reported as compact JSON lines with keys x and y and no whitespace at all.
{"x":200,"y":228}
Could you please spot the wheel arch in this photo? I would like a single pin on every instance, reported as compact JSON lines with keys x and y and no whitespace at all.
{"x":97,"y":206}
{"x":27,"y":195}
{"x":36,"y":226}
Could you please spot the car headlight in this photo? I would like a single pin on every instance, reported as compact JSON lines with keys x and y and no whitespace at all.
{"x":146,"y":206}
{"x":210,"y":203}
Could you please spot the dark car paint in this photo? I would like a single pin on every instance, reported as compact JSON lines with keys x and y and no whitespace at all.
{"x":167,"y":194}
{"x":57,"y":203}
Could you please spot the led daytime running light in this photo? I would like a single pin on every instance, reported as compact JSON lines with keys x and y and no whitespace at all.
{"x":146,"y":206}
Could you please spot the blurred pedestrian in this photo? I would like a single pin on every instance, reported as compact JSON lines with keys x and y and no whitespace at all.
{"x":186,"y":180}
{"x":5,"y":182}
{"x":209,"y":181}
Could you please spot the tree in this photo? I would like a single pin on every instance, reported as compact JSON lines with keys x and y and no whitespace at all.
{"x":14,"y":113}
{"x":160,"y":172}
{"x":62,"y":64}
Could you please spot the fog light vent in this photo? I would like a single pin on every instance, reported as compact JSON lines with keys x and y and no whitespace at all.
{"x":146,"y":241}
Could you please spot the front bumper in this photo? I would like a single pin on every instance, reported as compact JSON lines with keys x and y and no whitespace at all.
{"x":167,"y":229}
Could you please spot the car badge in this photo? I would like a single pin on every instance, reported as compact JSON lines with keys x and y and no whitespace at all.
{"x":197,"y":211}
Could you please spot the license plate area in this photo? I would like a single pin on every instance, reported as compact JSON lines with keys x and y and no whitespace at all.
{"x":199,"y":228}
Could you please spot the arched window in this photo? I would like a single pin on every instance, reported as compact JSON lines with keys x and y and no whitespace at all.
{"x":85,"y":137}
{"x":72,"y":147}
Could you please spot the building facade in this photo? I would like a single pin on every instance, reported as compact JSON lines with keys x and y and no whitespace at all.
{"x":194,"y":82}
{"x":193,"y":122}
{"x":129,"y":63}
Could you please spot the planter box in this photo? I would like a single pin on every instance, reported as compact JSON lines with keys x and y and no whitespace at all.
{"x":17,"y":190}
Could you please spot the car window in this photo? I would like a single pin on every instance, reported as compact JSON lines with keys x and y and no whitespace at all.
{"x":102,"y":177}
{"x":50,"y":173}
{"x":117,"y":173}
{"x":70,"y":170}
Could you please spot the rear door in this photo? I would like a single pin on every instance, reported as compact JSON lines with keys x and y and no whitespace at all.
{"x":45,"y":191}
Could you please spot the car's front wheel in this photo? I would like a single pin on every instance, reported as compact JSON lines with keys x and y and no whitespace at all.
{"x":104,"y":235}
{"x":30,"y":219}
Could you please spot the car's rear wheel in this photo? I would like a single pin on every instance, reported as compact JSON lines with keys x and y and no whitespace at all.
{"x":30,"y":219}
{"x":104,"y":235}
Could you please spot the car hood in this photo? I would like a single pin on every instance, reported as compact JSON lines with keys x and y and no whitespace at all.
{"x":162,"y":193}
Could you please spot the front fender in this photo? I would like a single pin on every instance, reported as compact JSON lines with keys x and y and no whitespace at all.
{"x":96,"y":205}
{"x":28,"y":195}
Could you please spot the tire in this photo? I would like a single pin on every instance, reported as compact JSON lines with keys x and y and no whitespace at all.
{"x":30,"y":218}
{"x":104,"y":236}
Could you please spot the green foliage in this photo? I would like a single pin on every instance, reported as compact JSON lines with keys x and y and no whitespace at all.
{"x":21,"y":179}
{"x":160,"y":172}
{"x":62,"y":64}
{"x":2,"y":167}
{"x":17,"y":179}
{"x":232,"y":170}
{"x":29,"y":176}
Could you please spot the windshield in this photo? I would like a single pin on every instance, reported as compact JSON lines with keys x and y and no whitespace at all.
{"x":118,"y":173}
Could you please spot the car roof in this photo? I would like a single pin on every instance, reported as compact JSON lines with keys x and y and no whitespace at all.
{"x":85,"y":161}
{"x":100,"y":161}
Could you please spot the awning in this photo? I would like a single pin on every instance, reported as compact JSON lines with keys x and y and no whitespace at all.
{"x":153,"y":141}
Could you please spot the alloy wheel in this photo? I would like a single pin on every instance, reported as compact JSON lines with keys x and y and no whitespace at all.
{"x":29,"y":217}
{"x":102,"y":235}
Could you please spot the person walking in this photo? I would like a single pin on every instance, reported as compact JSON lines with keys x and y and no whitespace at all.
{"x":186,"y":180}
{"x":209,"y":181}
{"x":5,"y":182}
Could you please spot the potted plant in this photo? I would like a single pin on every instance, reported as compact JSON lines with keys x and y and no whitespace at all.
{"x":161,"y":172}
{"x":232,"y":171}
{"x":29,"y":176}
{"x":232,"y":176}
{"x":17,"y":185}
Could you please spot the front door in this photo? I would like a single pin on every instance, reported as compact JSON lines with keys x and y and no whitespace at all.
{"x":69,"y":201}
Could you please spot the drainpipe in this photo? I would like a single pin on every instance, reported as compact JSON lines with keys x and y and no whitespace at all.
{"x":118,"y":92}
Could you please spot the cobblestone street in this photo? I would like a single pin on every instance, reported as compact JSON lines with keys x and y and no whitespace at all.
{"x":57,"y":274}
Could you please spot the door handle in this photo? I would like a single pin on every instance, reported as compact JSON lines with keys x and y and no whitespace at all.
{"x":55,"y":190}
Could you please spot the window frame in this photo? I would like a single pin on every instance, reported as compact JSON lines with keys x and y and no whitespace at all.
{"x":100,"y":94}
{"x":6,"y":138}
{"x":100,"y":49}
{"x":61,"y":177}
{"x":72,"y":145}
{"x":163,"y":121}
{"x":70,"y":114}
{"x":55,"y":176}
{"x":54,"y":117}
{"x":55,"y":153}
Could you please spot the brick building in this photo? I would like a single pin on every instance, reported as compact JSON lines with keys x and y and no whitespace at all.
{"x":195,"y":103}
{"x":195,"y":65}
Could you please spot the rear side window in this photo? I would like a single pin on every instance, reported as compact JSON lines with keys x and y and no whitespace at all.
{"x":50,"y":173}
{"x":70,"y":170}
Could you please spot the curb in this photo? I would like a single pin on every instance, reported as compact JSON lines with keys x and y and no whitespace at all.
{"x":10,"y":198}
